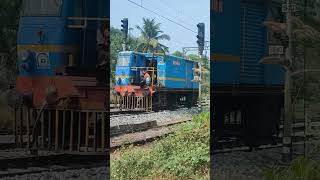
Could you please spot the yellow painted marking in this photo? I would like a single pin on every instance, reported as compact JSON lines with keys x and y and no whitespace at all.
{"x":47,"y":48}
{"x":122,"y":76}
{"x":171,"y":79}
{"x":225,"y":57}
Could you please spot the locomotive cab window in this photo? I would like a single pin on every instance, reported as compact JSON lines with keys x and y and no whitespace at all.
{"x":42,"y":7}
{"x":152,"y":63}
{"x":123,"y":60}
{"x":134,"y":63}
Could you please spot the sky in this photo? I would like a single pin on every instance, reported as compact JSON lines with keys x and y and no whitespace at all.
{"x":185,"y":12}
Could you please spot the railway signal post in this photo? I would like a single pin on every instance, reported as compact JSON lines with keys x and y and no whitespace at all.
{"x":200,"y":42}
{"x":284,"y":33}
{"x":275,"y":52}
{"x":200,"y":37}
{"x":288,"y":8}
{"x":197,"y":78}
{"x":200,"y":89}
{"x":124,"y":30}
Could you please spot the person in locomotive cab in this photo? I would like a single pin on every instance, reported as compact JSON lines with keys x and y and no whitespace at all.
{"x":102,"y":44}
{"x":146,"y":79}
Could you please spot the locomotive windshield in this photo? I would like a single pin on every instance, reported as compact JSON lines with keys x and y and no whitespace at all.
{"x":123,"y":60}
{"x":41,"y":7}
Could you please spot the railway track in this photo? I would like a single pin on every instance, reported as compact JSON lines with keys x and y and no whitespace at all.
{"x":19,"y":166}
{"x":237,"y":148}
{"x":303,"y":133}
{"x":5,"y":132}
{"x":114,"y":112}
{"x":144,"y":130}
{"x":147,"y":135}
{"x":117,"y":113}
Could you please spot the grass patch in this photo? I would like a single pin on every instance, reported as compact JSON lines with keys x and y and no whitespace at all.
{"x":301,"y":169}
{"x":182,"y":155}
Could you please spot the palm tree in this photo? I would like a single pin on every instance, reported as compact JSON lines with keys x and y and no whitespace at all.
{"x":150,"y":37}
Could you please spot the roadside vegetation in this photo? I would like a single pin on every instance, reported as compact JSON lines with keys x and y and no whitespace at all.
{"x":181,"y":155}
{"x":301,"y":168}
{"x":305,"y":88}
{"x":9,"y":10}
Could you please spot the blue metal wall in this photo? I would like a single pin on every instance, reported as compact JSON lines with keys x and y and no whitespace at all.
{"x":253,"y":42}
{"x":54,"y":35}
{"x":238,"y":43}
{"x":176,"y":73}
{"x":58,"y":39}
{"x":225,"y":43}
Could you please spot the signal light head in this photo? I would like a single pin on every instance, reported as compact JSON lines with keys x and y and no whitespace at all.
{"x":200,"y":37}
{"x":124,"y":27}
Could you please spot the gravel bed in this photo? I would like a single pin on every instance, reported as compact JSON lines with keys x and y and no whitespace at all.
{"x":159,"y":117}
{"x":253,"y":165}
{"x":81,"y":174}
{"x":244,"y":165}
{"x":20,"y":153}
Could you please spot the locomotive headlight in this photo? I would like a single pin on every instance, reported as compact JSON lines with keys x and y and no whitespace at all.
{"x":23,"y":55}
{"x":43,"y":57}
{"x":43,"y":60}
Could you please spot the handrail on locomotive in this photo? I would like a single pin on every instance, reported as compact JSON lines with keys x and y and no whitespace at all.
{"x":85,"y":20}
{"x":148,"y":69}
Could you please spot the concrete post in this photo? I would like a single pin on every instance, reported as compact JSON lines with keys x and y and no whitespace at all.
{"x":200,"y":79}
{"x":287,"y":129}
{"x":124,"y":47}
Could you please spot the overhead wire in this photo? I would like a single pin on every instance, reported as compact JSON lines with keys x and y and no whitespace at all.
{"x":179,"y":43}
{"x":165,"y":3}
{"x":166,"y":18}
{"x":179,"y":24}
{"x":176,"y":15}
{"x":177,"y":10}
{"x":207,"y":31}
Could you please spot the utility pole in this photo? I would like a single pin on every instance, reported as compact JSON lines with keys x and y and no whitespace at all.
{"x":287,"y":128}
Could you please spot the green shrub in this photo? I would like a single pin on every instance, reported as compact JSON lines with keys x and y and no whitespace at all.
{"x":182,"y":155}
{"x":301,"y":169}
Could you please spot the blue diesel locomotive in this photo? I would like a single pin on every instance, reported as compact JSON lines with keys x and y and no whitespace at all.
{"x":62,"y":87}
{"x":171,"y":81}
{"x":247,"y":95}
{"x":57,"y":54}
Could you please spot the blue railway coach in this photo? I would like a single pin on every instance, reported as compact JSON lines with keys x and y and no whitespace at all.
{"x":247,"y":95}
{"x":171,"y":81}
